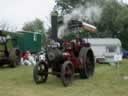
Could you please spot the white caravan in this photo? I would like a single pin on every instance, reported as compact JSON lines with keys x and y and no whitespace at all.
{"x":106,"y":50}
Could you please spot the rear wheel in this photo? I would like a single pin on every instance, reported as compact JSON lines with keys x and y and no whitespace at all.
{"x":88,"y":63}
{"x":14,"y":57}
{"x":40,"y":72}
{"x":67,"y":72}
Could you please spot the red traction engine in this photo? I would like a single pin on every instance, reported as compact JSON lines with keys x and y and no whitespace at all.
{"x":74,"y":57}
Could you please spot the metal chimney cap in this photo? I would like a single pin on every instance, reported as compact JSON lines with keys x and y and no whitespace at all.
{"x":54,"y":13}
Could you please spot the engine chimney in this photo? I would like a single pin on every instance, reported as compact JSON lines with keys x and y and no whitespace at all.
{"x":54,"y":25}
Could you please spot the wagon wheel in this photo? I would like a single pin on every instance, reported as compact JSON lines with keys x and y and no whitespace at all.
{"x":40,"y":72}
{"x":88,"y":64}
{"x":67,"y":72}
{"x":14,"y":57}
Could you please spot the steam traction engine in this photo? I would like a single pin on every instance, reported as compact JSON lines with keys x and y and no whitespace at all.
{"x":75,"y":56}
{"x":8,"y":56}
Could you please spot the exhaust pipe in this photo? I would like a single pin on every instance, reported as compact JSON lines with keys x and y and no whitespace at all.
{"x":54,"y":25}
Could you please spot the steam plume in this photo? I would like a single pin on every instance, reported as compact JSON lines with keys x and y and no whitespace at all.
{"x":91,"y":14}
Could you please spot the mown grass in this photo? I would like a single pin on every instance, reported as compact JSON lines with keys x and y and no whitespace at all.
{"x":107,"y":81}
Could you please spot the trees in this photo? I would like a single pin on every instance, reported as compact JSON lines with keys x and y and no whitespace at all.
{"x":122,"y":26}
{"x":34,"y":26}
{"x":4,"y":26}
{"x":107,"y":23}
{"x":114,"y":22}
{"x":66,"y":6}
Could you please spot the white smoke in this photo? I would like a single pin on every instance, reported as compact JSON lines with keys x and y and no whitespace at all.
{"x":91,"y":13}
{"x":62,"y":31}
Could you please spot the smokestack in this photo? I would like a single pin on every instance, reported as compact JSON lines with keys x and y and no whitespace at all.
{"x":54,"y":24}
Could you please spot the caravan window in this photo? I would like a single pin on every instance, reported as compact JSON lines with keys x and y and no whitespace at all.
{"x":111,"y":49}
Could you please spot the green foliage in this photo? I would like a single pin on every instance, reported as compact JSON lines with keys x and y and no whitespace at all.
{"x":114,"y":22}
{"x":122,"y":26}
{"x":66,"y":6}
{"x":107,"y":22}
{"x":34,"y":26}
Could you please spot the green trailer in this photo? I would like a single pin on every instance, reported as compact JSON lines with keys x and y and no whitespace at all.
{"x":31,"y":41}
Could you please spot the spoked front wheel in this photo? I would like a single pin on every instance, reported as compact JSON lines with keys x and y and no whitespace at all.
{"x":40,"y":72}
{"x":67,"y":72}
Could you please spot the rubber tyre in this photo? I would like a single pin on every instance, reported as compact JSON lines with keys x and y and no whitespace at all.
{"x":14,"y":57}
{"x":86,"y":57}
{"x":40,"y":72}
{"x":67,"y":73}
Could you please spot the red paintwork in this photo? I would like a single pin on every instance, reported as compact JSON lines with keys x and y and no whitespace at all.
{"x":70,"y":48}
{"x":69,"y":55}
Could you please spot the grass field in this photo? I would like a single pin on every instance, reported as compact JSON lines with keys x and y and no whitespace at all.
{"x":107,"y":81}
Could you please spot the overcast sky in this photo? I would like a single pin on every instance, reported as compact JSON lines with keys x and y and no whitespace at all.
{"x":16,"y":12}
